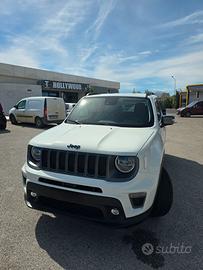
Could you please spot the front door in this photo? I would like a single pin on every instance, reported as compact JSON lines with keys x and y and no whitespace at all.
{"x":20,"y":111}
{"x":197,"y":109}
{"x":200,"y":108}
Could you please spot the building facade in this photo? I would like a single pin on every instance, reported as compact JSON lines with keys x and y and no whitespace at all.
{"x":17,"y":82}
{"x":192,"y":93}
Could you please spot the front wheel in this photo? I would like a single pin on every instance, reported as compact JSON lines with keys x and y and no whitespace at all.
{"x":13,"y":119}
{"x":164,"y":196}
{"x":39,"y":123}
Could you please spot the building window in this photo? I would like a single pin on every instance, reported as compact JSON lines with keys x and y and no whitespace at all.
{"x":50,"y":93}
{"x":70,"y":97}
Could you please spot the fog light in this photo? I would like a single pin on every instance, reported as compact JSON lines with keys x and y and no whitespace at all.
{"x":33,"y":194}
{"x":115,"y":211}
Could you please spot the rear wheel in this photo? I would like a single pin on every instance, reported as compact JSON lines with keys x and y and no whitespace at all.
{"x":164,"y":196}
{"x":13,"y":119}
{"x":39,"y":123}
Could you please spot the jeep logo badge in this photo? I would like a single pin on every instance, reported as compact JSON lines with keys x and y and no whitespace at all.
{"x":72,"y":146}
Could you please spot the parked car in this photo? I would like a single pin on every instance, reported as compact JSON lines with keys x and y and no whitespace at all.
{"x":38,"y":110}
{"x":69,"y":107}
{"x":3,"y":120}
{"x":104,"y":162}
{"x":194,"y":108}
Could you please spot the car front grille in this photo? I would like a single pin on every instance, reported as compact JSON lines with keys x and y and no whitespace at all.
{"x":77,"y":163}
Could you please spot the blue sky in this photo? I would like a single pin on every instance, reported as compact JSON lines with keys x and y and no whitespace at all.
{"x":138,"y":43}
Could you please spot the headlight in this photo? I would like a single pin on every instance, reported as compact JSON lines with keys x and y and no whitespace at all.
{"x":36,"y":153}
{"x":125,"y":164}
{"x":34,"y":157}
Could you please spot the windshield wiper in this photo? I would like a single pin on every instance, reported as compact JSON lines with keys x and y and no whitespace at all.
{"x":73,"y":121}
{"x":106,"y":123}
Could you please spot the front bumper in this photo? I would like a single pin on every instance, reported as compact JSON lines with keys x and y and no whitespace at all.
{"x":178,"y":112}
{"x":71,"y":197}
{"x":97,"y":208}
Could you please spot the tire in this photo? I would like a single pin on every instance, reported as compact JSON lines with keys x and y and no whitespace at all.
{"x":38,"y":122}
{"x":164,"y":196}
{"x":3,"y":122}
{"x":188,"y":114}
{"x":13,"y":119}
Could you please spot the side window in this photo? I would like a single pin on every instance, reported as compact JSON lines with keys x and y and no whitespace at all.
{"x":34,"y":104}
{"x":158,"y":110}
{"x":21,"y":104}
{"x":199,"y":104}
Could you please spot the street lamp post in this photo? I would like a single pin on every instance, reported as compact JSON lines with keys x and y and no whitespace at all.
{"x":173,"y":77}
{"x":175,"y":100}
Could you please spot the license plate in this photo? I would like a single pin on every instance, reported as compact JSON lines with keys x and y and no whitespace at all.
{"x":53,"y":116}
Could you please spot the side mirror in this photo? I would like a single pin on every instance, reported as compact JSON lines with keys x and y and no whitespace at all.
{"x":15,"y":106}
{"x":167,"y":120}
{"x":164,"y":111}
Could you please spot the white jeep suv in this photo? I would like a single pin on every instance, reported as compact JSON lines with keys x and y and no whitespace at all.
{"x":103,"y":162}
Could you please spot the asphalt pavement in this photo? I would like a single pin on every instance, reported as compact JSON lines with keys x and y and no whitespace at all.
{"x":30,"y":239}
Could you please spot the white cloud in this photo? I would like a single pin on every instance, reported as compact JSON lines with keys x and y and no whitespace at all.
{"x":194,"y":18}
{"x":195,"y":39}
{"x":121,"y":58}
{"x":187,"y":69}
{"x":66,"y":19}
{"x":116,"y":59}
{"x":47,"y":43}
{"x":47,"y":35}
{"x":18,"y":56}
{"x":86,"y":53}
{"x":105,"y":9}
{"x":9,"y":7}
{"x":145,"y":53}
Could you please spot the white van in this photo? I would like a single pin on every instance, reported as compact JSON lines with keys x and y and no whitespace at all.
{"x":38,"y":110}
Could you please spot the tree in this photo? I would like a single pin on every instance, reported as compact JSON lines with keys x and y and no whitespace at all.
{"x":147,"y":92}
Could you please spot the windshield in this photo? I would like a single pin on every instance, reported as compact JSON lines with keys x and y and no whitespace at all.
{"x":191,"y":104}
{"x":113,"y":111}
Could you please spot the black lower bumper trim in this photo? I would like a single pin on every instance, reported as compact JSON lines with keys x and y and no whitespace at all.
{"x":93,"y":207}
{"x":69,"y":185}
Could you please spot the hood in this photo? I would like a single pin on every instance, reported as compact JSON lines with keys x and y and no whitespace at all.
{"x":94,"y":138}
{"x":11,"y":110}
{"x":181,"y":108}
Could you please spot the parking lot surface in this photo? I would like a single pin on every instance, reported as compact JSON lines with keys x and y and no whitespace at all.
{"x":31,"y":239}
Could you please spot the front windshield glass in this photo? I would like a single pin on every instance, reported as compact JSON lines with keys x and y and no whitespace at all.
{"x":191,"y":104}
{"x":113,"y":111}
